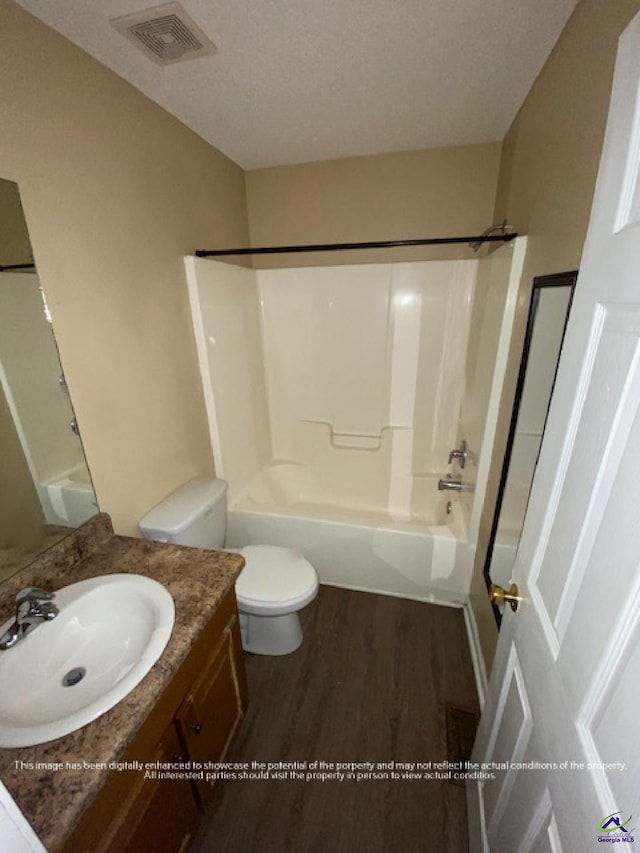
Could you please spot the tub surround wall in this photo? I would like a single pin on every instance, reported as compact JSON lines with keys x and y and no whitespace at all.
{"x":365,"y":374}
{"x":355,"y":378}
{"x":226,"y":315}
{"x":499,"y":280}
{"x":359,"y":369}
{"x":490,"y":332}
{"x":29,"y":361}
{"x":52,"y":802}
{"x":41,"y":410}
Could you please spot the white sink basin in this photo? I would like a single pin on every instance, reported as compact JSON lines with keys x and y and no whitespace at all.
{"x":108,"y":634}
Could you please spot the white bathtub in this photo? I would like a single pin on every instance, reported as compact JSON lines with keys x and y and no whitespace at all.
{"x":361,"y":547}
{"x":68,"y":500}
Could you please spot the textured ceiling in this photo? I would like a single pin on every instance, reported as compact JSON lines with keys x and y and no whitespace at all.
{"x":301,"y":80}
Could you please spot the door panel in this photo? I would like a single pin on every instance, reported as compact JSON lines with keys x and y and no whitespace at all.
{"x":567,"y":672}
{"x":511,"y":736}
{"x":592,"y":462}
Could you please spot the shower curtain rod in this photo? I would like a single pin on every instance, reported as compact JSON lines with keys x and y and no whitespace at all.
{"x":336,"y":247}
{"x":9,"y":267}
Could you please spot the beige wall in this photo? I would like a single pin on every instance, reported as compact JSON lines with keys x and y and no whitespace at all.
{"x":545,"y":189}
{"x":115,"y":191}
{"x":14,"y":239}
{"x":437,"y":192}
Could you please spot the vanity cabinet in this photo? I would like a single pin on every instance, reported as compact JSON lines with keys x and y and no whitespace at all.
{"x":159,"y":815}
{"x":194,"y":720}
{"x":207,"y":719}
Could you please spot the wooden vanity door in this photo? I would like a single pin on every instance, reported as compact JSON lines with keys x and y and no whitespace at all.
{"x":212,"y":710}
{"x":166,"y":812}
{"x":134,"y":813}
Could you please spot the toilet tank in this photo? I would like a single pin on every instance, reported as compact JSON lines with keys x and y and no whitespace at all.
{"x":195,"y":515}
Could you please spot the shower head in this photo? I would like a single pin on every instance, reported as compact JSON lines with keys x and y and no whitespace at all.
{"x":499,"y":227}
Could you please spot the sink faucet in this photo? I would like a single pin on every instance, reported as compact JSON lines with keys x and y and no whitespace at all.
{"x":33,"y":606}
{"x":453,"y":484}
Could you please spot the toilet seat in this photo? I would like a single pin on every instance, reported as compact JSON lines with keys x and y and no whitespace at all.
{"x":274,"y":581}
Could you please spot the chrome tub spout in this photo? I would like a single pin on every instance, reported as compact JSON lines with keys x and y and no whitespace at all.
{"x":453,"y":484}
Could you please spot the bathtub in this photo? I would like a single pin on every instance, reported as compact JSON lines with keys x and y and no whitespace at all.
{"x":68,"y":500}
{"x":361,"y":546}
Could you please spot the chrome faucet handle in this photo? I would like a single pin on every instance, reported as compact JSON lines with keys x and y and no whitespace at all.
{"x":33,"y":607}
{"x":32,"y":610}
{"x":10,"y":637}
{"x":461,"y":453}
{"x":34,"y":593}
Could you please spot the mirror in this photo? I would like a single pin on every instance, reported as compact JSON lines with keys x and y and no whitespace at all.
{"x":45,"y":487}
{"x":548,"y":314}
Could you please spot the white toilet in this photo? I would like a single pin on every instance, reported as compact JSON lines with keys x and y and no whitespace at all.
{"x":274,"y":584}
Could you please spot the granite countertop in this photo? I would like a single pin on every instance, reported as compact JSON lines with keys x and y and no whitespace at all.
{"x":53,"y":800}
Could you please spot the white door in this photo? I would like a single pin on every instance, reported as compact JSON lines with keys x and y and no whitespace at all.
{"x":565,"y":689}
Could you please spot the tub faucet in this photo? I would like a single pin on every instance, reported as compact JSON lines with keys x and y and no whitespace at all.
{"x":33,"y":606}
{"x":453,"y":484}
{"x":460,"y":453}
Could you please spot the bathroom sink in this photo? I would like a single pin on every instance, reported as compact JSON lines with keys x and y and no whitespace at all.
{"x":108,"y":634}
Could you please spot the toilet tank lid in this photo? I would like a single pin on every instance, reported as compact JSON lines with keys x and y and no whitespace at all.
{"x":184,"y":506}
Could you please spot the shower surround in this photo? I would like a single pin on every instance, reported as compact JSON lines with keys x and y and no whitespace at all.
{"x":334,"y":396}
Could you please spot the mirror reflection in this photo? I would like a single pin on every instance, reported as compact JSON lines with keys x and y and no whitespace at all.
{"x":45,"y":487}
{"x":548,"y":315}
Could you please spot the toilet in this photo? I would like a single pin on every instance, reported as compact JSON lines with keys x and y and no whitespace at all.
{"x":274,"y":584}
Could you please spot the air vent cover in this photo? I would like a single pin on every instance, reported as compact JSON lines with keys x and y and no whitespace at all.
{"x":165,"y":33}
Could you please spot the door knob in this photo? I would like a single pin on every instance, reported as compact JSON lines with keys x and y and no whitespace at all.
{"x":499,"y":595}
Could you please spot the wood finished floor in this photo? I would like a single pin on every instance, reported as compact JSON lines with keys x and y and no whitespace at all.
{"x":370,"y":683}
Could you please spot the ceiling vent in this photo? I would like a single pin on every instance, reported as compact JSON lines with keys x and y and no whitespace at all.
{"x":165,"y":33}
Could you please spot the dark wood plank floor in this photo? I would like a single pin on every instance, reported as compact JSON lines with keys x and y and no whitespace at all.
{"x":370,"y":683}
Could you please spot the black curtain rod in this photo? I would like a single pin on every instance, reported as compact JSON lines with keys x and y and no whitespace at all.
{"x":336,"y":247}
{"x":17,"y":267}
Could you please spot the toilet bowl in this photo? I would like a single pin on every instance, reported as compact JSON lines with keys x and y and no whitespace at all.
{"x":273,"y":586}
{"x":275,"y":583}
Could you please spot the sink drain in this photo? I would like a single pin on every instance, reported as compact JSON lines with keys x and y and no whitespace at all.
{"x":74,"y":676}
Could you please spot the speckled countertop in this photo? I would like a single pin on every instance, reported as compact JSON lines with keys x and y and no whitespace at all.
{"x":52,"y":801}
